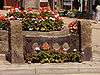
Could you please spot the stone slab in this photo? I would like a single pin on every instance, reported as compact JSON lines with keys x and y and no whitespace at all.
{"x":52,"y":69}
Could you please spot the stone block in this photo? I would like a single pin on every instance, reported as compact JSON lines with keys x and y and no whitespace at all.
{"x":16,"y":42}
{"x":4,"y":41}
{"x":86,"y":42}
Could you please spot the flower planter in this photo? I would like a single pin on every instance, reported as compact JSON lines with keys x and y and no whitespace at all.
{"x":34,"y":41}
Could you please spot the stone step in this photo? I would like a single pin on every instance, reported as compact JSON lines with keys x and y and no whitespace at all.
{"x":2,"y":57}
{"x":4,"y":63}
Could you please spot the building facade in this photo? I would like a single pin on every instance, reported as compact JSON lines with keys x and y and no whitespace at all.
{"x":85,"y":5}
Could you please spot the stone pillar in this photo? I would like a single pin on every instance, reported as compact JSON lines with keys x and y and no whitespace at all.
{"x":3,"y":41}
{"x":96,"y":42}
{"x":86,"y":32}
{"x":16,"y":42}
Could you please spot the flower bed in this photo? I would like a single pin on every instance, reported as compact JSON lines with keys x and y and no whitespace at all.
{"x":4,"y":24}
{"x":46,"y":20}
{"x":43,"y":20}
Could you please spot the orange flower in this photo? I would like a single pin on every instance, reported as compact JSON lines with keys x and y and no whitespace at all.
{"x":39,"y":17}
{"x":45,"y":46}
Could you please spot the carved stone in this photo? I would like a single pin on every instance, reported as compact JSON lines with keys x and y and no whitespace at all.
{"x":56,"y":46}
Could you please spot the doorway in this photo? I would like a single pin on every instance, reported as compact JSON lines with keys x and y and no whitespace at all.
{"x":1,"y":4}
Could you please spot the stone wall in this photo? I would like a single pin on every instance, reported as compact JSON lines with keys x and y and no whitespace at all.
{"x":4,"y":46}
{"x":57,"y":40}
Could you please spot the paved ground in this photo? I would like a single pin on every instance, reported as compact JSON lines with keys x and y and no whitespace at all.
{"x":84,"y":68}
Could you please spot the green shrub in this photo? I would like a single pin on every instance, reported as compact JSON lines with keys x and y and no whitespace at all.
{"x":4,"y":24}
{"x":53,"y":57}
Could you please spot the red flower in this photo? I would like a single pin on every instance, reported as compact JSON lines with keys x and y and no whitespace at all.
{"x":30,"y":9}
{"x":73,"y":25}
{"x":2,"y":17}
{"x":44,"y":9}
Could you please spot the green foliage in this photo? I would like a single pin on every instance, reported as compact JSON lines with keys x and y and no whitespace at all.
{"x":53,"y":57}
{"x":72,"y":13}
{"x":83,"y":15}
{"x":43,"y":20}
{"x":72,"y":57}
{"x":16,"y":15}
{"x":1,"y":25}
{"x":4,"y":24}
{"x":36,"y":23}
{"x":63,"y":13}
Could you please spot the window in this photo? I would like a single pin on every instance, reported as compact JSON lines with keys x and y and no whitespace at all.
{"x":67,"y":4}
{"x":43,"y":3}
